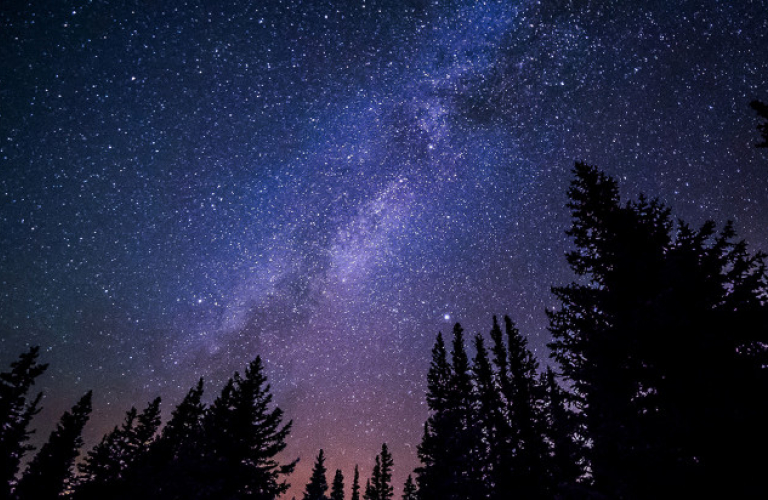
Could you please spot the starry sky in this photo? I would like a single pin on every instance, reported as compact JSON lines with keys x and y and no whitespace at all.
{"x":185,"y":185}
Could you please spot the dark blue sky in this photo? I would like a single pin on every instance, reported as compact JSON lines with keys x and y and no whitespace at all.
{"x":186,"y":185}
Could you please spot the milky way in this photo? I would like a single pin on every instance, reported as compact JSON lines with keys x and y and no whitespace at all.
{"x":329,"y":184}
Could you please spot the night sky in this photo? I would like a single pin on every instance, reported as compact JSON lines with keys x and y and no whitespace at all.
{"x":185,"y":185}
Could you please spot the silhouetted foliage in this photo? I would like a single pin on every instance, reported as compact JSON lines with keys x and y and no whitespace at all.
{"x":171,"y":466}
{"x":16,"y":412}
{"x":370,"y":491}
{"x":318,"y":484}
{"x":108,"y":468}
{"x":448,"y":470}
{"x":356,"y":485}
{"x":762,"y":112}
{"x":382,"y":475}
{"x":49,"y":474}
{"x":562,"y":431}
{"x":337,"y":489}
{"x":243,"y":437}
{"x":663,"y":339}
{"x":409,"y":489}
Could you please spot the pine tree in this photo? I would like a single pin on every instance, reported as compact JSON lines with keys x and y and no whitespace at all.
{"x":102,"y":470}
{"x":591,"y":352}
{"x":529,"y":473}
{"x":375,"y":480}
{"x":172,"y":468}
{"x":110,"y":469}
{"x":491,"y":420}
{"x":562,"y":430}
{"x":184,"y":430}
{"x":383,"y":479}
{"x":370,"y":491}
{"x":15,"y":414}
{"x":318,"y":484}
{"x":143,"y":434}
{"x":409,"y":489}
{"x":356,"y":485}
{"x":640,"y":336}
{"x":337,"y":490}
{"x":432,"y":475}
{"x":451,"y":433}
{"x":49,"y":474}
{"x":243,"y":437}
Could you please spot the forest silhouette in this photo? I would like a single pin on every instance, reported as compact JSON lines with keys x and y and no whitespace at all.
{"x":659,"y":385}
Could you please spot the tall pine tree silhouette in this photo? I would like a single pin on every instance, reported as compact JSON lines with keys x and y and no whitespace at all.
{"x":318,"y":484}
{"x":451,"y":434}
{"x":529,"y":465}
{"x":409,"y":489}
{"x":356,"y":485}
{"x":492,"y":422}
{"x":243,"y":436}
{"x":49,"y":474}
{"x":563,"y":432}
{"x":337,"y":489}
{"x":663,"y":339}
{"x":16,"y":412}
{"x":382,"y":478}
{"x":172,"y":467}
{"x":108,"y":469}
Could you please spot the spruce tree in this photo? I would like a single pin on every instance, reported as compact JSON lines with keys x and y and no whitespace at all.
{"x":16,"y":412}
{"x":318,"y":483}
{"x":172,"y":468}
{"x":49,"y":474}
{"x":639,"y":335}
{"x":451,"y":433}
{"x":242,"y":438}
{"x":529,"y":472}
{"x":375,"y":480}
{"x":356,"y":485}
{"x":383,"y":479}
{"x":432,"y":475}
{"x":184,"y":430}
{"x":562,"y":431}
{"x":102,"y":470}
{"x":112,"y":467}
{"x":337,"y":489}
{"x":491,"y":421}
{"x":409,"y":489}
{"x":370,"y":491}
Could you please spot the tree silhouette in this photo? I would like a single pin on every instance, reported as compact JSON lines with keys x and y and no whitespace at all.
{"x":409,"y":489}
{"x":242,"y":438}
{"x":490,"y":413}
{"x":109,"y":470}
{"x":432,"y":475}
{"x":183,"y":432}
{"x":15,"y":414}
{"x":370,"y":491}
{"x":451,"y":433}
{"x":529,"y":472}
{"x":663,"y":339}
{"x":562,"y":432}
{"x":382,"y":478}
{"x":356,"y":485}
{"x":171,"y":467}
{"x":49,"y":473}
{"x":337,"y":489}
{"x":318,"y":484}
